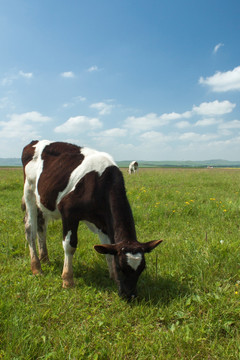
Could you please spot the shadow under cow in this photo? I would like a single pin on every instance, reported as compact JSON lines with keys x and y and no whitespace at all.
{"x":157,"y":290}
{"x":161,"y":290}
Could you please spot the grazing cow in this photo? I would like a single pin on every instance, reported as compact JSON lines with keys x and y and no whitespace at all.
{"x":133,"y":166}
{"x":75,"y":184}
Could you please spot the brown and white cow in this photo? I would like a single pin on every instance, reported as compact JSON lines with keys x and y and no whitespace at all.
{"x":133,"y":166}
{"x":75,"y":184}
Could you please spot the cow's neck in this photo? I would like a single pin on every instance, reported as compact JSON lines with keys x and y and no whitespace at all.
{"x":122,"y":222}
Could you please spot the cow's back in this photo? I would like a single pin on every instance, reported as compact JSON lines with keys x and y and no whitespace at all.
{"x":55,"y":168}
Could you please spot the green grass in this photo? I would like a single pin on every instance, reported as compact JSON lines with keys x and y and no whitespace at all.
{"x":188,"y":306}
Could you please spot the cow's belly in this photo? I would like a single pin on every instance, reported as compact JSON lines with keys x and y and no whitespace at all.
{"x":48,"y":214}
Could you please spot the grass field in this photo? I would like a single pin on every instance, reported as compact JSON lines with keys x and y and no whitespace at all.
{"x":189,"y":295}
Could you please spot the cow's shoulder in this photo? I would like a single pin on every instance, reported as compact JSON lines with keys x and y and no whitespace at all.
{"x":59,"y":156}
{"x":56,"y":149}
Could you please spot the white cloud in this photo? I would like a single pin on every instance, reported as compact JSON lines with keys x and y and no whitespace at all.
{"x":68,"y":74}
{"x":143,"y":123}
{"x":102,"y":108}
{"x":7,"y":80}
{"x":234,"y":124}
{"x":206,"y":108}
{"x":10,"y":78}
{"x":195,"y":137}
{"x":25,"y":75}
{"x":214,"y":108}
{"x":170,"y":116}
{"x":183,"y":124}
{"x":155,"y":136}
{"x":116,"y":132}
{"x":4,"y":102}
{"x":32,"y":116}
{"x":208,"y":122}
{"x":67,"y":105}
{"x":217,"y":47}
{"x":76,"y":100}
{"x":223,"y":81}
{"x":79,"y":98}
{"x":93,"y":68}
{"x":78,"y":124}
{"x":22,"y":125}
{"x":175,"y":116}
{"x":152,"y":120}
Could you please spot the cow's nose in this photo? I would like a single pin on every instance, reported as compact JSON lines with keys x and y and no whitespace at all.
{"x":132,"y":297}
{"x":128,"y":296}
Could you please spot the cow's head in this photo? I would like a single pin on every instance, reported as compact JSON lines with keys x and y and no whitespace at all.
{"x":128,"y":263}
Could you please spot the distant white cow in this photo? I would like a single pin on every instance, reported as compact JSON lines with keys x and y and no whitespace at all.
{"x":133,"y":166}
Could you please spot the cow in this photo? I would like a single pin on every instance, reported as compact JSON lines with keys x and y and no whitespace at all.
{"x":62,"y":180}
{"x":133,"y":166}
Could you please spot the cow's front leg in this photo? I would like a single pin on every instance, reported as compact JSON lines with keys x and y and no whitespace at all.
{"x":109,"y":258}
{"x":69,"y":246}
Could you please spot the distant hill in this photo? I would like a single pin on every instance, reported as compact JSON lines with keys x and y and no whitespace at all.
{"x":150,"y":164}
{"x":187,"y":164}
{"x":10,"y":162}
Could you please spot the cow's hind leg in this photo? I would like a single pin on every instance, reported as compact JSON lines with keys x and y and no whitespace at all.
{"x":69,"y":247}
{"x":41,"y":233}
{"x":30,"y":220}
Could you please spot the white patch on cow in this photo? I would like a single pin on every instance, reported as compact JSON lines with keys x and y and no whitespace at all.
{"x":68,"y":257}
{"x":103,"y":237}
{"x":93,"y":161}
{"x":34,"y":168}
{"x":134,"y":260}
{"x":37,"y":158}
{"x":33,"y":172}
{"x":66,"y":243}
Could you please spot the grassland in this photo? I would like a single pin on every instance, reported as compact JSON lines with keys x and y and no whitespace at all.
{"x":188,"y":306}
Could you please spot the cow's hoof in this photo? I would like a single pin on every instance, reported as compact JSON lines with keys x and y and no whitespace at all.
{"x":68,"y":283}
{"x":36,"y":268}
{"x":45,"y":260}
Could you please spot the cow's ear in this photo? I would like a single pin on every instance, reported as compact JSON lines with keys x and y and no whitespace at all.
{"x":149,"y":246}
{"x":106,"y":249}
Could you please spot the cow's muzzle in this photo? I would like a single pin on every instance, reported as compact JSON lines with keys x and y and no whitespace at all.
{"x":128,"y":295}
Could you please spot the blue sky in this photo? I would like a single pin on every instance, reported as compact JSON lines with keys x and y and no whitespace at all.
{"x":144,"y":80}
